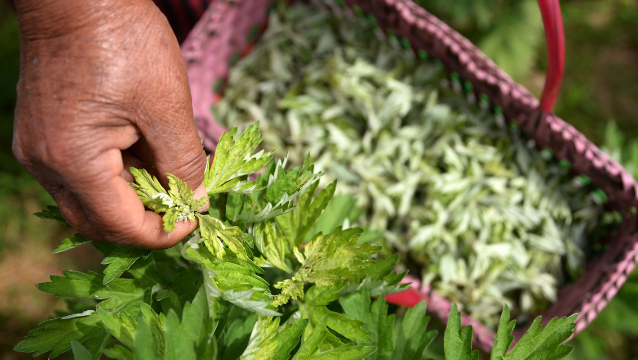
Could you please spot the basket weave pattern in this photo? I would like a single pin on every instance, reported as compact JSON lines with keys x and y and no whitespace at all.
{"x":226,"y":32}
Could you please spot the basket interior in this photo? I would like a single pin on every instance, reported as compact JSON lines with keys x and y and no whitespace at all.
{"x":229,"y":30}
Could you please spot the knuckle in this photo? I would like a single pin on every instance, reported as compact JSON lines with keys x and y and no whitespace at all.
{"x":57,"y":154}
{"x":18,"y":150}
{"x":191,"y":168}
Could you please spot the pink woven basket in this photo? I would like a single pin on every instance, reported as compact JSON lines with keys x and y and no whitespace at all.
{"x":229,"y":28}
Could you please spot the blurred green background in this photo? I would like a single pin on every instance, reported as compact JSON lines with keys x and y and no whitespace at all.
{"x":599,"y":97}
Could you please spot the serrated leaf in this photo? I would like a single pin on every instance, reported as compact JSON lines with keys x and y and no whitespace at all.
{"x":326,"y":260}
{"x":539,"y":343}
{"x":189,"y":337}
{"x":411,"y":338}
{"x":118,"y":352}
{"x":339,"y":209}
{"x":272,"y":245}
{"x":56,"y":335}
{"x":310,"y":345}
{"x":347,"y":352}
{"x":234,"y":158}
{"x":121,"y":325}
{"x":283,"y":187}
{"x":147,"y":346}
{"x":233,"y":332}
{"x":458,"y":340}
{"x":240,"y":286}
{"x":349,"y":327}
{"x":219,"y":237}
{"x":71,"y":243}
{"x":119,"y":260}
{"x":80,"y":352}
{"x":268,"y":340}
{"x":169,"y":220}
{"x":378,"y":279}
{"x":504,"y":337}
{"x":375,"y":319}
{"x":297,"y":224}
{"x":52,"y":213}
{"x":177,"y":203}
{"x":115,"y":294}
{"x":323,"y":295}
{"x":150,"y":191}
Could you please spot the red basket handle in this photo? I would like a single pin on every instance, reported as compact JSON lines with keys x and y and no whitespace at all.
{"x":555,"y":37}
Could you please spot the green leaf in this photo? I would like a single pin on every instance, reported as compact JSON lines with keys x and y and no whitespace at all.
{"x":219,"y":237}
{"x":270,"y":341}
{"x":119,"y":352}
{"x":119,"y":260}
{"x":168,"y":294}
{"x":52,"y":213}
{"x":379,"y":279}
{"x":297,"y":224}
{"x":339,"y":209}
{"x":411,"y":337}
{"x":283,"y":187}
{"x":121,"y":325}
{"x":233,"y":280}
{"x":314,"y":308}
{"x":375,"y":319}
{"x":347,"y":352}
{"x":504,"y":337}
{"x":56,"y":335}
{"x":240,"y":286}
{"x":458,"y":340}
{"x":146,"y":343}
{"x":310,"y":345}
{"x":323,"y":295}
{"x":177,"y":203}
{"x":233,"y":332}
{"x":170,"y":219}
{"x":326,"y":260}
{"x":71,"y":243}
{"x":233,"y":159}
{"x":271,"y":243}
{"x":150,"y":191}
{"x":190,"y":337}
{"x":80,"y":352}
{"x":116,"y":293}
{"x":539,"y":343}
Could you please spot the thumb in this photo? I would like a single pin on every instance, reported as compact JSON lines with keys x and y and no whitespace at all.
{"x":179,"y":154}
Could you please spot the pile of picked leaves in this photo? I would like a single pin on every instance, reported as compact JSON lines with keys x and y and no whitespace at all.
{"x":488,"y":218}
{"x":247,"y":285}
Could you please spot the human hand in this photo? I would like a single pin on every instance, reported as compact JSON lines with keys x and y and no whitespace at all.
{"x":103,"y":87}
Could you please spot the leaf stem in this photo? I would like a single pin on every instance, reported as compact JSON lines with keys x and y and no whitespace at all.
{"x":221,"y":205}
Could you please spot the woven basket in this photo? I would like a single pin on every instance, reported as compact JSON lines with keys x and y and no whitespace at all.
{"x":229,"y":28}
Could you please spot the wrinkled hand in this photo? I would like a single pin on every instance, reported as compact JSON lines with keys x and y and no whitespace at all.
{"x":103,"y":87}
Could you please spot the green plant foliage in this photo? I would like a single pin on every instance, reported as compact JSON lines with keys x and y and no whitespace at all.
{"x":207,"y":297}
{"x":489,"y":218}
{"x":509,"y":32}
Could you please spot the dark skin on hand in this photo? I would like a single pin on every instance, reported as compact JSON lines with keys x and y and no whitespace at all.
{"x":103,"y":87}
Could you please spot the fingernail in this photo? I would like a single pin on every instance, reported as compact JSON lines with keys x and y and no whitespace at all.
{"x":200,"y":193}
